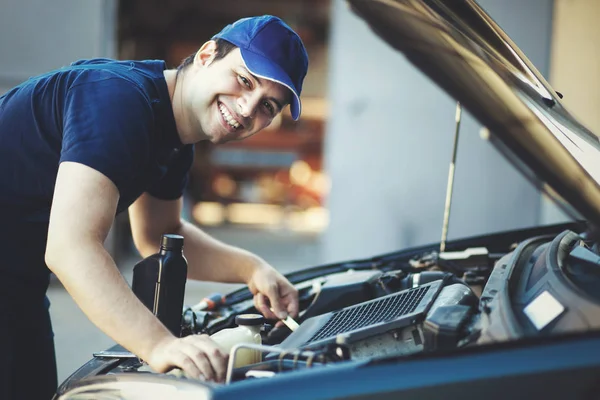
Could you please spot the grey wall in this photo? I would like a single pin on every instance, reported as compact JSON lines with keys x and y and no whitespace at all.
{"x":40,"y":35}
{"x":389,"y":142}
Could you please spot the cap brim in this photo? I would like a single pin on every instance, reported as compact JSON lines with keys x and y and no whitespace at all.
{"x":262,"y":67}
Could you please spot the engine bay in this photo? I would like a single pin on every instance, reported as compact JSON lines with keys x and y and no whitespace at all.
{"x":415,"y":302}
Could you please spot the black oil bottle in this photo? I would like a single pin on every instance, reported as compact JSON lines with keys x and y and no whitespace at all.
{"x":159,"y":282}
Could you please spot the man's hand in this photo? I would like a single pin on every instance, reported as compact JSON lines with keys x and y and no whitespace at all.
{"x":272,"y":290}
{"x":197,"y":355}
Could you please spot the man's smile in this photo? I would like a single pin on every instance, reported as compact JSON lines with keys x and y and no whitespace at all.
{"x":228,"y":118}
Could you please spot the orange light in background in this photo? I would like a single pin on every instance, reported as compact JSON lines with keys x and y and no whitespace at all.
{"x":320,"y":183}
{"x":256,"y":214}
{"x":314,"y":219}
{"x":311,"y":220}
{"x":224,"y":186}
{"x":209,"y":213}
{"x":270,"y":189}
{"x":300,"y":172}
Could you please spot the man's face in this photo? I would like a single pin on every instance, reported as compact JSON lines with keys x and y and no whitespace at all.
{"x":223,"y":101}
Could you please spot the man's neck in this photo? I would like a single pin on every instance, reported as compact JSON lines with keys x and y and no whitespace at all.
{"x":175,"y":86}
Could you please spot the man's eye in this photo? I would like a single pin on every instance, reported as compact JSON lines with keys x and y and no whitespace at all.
{"x":269,"y":107}
{"x":244,"y":80}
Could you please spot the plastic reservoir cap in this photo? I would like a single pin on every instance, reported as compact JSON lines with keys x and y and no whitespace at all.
{"x":249,"y":319}
{"x":171,"y":242}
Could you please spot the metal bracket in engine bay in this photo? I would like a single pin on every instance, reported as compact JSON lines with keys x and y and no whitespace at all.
{"x":338,"y":352}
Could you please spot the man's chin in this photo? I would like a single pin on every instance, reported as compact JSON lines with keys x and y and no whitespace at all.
{"x":216,"y":134}
{"x":224,"y":137}
{"x":218,"y":138}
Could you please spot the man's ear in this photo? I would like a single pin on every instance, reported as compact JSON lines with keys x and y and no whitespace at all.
{"x":205,"y":56}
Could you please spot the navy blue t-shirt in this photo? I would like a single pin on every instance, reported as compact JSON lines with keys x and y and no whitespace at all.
{"x":113,"y":116}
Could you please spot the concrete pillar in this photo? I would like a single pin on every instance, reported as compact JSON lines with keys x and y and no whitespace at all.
{"x":389,"y":142}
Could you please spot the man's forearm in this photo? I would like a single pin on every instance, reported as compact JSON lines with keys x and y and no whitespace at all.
{"x":212,"y":260}
{"x":91,"y":277}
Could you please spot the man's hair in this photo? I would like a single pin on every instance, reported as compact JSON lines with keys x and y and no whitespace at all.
{"x":223,"y":48}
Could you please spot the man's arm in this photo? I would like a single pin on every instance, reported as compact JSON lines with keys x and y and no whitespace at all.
{"x":210,"y":259}
{"x":82,"y":212}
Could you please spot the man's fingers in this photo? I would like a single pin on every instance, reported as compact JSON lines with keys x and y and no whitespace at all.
{"x":187,"y":365}
{"x":274,"y":296}
{"x":219,"y":363}
{"x":293,"y":308}
{"x":217,"y":359}
{"x":262,"y":305}
{"x":292,"y":299}
{"x":198,"y":356}
{"x":196,"y":362}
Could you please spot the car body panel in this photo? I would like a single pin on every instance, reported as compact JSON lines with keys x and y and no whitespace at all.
{"x":527,"y":370}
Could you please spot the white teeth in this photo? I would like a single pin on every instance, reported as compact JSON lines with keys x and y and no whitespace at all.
{"x":230,"y":120}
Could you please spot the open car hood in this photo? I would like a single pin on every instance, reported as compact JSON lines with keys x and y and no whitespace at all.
{"x":469,"y":56}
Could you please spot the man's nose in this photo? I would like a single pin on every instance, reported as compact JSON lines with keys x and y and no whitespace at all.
{"x":248,"y":104}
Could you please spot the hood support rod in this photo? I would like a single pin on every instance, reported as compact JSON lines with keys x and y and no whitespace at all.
{"x":450,"y":184}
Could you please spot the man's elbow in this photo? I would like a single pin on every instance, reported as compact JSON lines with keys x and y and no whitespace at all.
{"x":54,"y":254}
{"x":146,"y":249}
{"x":62,"y":249}
{"x":148,"y":243}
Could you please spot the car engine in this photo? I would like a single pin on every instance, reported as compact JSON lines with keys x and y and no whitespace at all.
{"x":421,"y":301}
{"x":479,"y":292}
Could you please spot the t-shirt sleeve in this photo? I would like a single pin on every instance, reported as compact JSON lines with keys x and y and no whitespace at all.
{"x":173,"y":183}
{"x":106,"y":126}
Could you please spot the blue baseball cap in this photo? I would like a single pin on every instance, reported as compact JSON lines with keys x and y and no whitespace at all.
{"x":271,"y":50}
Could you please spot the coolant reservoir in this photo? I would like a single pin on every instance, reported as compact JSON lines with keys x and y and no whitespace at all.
{"x":247,"y":332}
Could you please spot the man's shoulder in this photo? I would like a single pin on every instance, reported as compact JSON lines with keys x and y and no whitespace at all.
{"x":135,"y":72}
{"x":150,"y":67}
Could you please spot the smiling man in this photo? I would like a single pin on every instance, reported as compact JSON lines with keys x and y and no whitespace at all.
{"x":81,"y":144}
{"x":255,"y":79}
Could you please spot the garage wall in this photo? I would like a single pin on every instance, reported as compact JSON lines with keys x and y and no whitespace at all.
{"x":389,"y":143}
{"x":40,"y":35}
{"x":576,"y":58}
{"x":574,"y":68}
